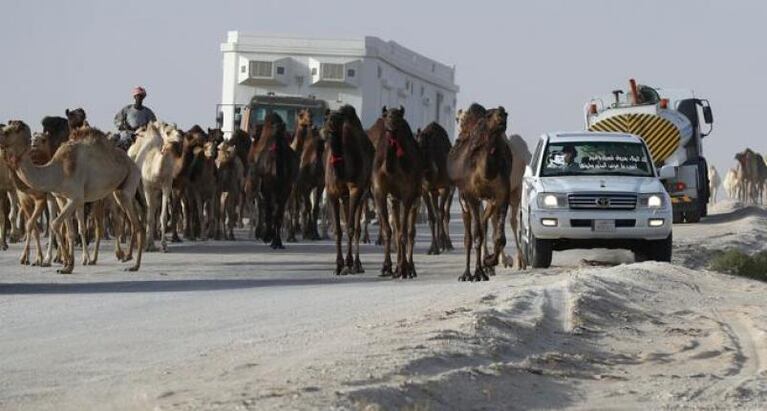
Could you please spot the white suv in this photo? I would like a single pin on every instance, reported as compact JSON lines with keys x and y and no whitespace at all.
{"x":594,"y":190}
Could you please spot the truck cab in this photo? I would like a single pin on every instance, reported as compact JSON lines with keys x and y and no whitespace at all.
{"x":594,"y":190}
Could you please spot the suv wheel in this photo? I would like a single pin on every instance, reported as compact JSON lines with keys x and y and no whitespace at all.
{"x":540,"y":252}
{"x":656,"y":250}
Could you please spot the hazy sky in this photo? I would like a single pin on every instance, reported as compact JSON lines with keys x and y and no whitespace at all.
{"x":542,"y":60}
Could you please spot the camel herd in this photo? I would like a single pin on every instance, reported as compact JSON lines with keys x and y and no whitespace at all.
{"x":747,"y":181}
{"x":79,"y":185}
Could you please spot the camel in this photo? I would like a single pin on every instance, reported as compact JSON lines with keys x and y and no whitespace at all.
{"x":713,"y":183}
{"x":437,"y":187}
{"x":188,"y":160}
{"x":230,"y":173}
{"x":6,"y":188}
{"x":275,"y":166}
{"x":397,"y":172}
{"x":731,"y":183}
{"x":348,"y":168}
{"x":76,"y":118}
{"x":205,"y":180}
{"x":480,"y":165}
{"x":310,"y":182}
{"x":753,"y":176}
{"x":84,"y":170}
{"x":154,"y":155}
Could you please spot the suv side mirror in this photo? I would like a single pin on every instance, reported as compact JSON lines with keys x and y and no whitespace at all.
{"x":708,"y":116}
{"x":667,"y":172}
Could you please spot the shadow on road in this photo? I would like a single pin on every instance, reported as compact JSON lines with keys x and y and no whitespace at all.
{"x":161,"y":286}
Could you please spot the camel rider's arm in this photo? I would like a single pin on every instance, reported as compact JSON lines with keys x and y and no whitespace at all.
{"x":150,"y":114}
{"x":121,"y":120}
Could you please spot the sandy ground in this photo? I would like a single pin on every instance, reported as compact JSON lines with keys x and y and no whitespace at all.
{"x":234,"y":325}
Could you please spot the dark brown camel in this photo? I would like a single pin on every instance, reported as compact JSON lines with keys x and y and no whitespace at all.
{"x":437,"y":188}
{"x":480,"y":166}
{"x":397,"y":172}
{"x":307,"y":194}
{"x":76,"y":118}
{"x":275,"y":166}
{"x":348,"y":167}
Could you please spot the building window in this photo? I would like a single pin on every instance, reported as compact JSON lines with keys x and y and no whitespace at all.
{"x":261,"y":69}
{"x":351,"y":73}
{"x":422,"y":91}
{"x":433,"y":67}
{"x":380,"y":72}
{"x":314,"y":71}
{"x":280,"y":70}
{"x":332,"y":71}
{"x":244,"y":69}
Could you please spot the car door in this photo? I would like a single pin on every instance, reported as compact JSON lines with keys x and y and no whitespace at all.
{"x":529,"y":186}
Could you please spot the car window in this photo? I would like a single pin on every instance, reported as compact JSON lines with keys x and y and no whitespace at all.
{"x":604,"y":158}
{"x":536,"y":157}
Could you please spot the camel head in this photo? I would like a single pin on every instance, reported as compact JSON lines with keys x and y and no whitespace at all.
{"x":304,"y":118}
{"x":41,"y":143}
{"x":209,"y":150}
{"x":76,"y":118}
{"x":172,"y":138}
{"x":15,"y":141}
{"x":497,"y":120}
{"x":470,"y":117}
{"x":394,"y":120}
{"x":225,"y":153}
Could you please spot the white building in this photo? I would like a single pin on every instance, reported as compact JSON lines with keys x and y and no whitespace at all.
{"x":367,"y":73}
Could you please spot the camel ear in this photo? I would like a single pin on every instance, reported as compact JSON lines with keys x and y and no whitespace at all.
{"x":383,"y":110}
{"x":402,"y":109}
{"x":66,"y":112}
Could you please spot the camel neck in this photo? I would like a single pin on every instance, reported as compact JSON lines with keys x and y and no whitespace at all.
{"x":46,"y":178}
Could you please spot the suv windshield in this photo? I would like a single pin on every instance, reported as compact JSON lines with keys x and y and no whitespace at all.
{"x":596,"y":158}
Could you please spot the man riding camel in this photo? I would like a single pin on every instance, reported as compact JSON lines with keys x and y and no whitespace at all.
{"x":134,"y":116}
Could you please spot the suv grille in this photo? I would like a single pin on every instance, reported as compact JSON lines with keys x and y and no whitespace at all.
{"x":602,"y":201}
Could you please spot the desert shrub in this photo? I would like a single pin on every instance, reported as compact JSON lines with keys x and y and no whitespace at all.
{"x":741,"y":264}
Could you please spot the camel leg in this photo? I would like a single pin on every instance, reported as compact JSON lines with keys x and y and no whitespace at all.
{"x":125,"y":200}
{"x":513,"y":214}
{"x":349,"y":226}
{"x":52,"y":213}
{"x":382,"y":207}
{"x":279,"y":217}
{"x":38,"y":211}
{"x":336,"y":208}
{"x":316,"y":199}
{"x":67,"y":251}
{"x":431,"y":209}
{"x":151,"y":223}
{"x":293,"y":209}
{"x":4,"y":206}
{"x":411,"y":220}
{"x":164,"y":217}
{"x":307,"y":228}
{"x":445,"y":200}
{"x":357,"y":203}
{"x":82,"y":229}
{"x":98,"y":213}
{"x":467,"y":240}
{"x":499,"y":235}
{"x":478,"y":234}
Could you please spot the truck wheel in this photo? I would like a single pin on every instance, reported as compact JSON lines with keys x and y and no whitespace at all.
{"x":540,"y":251}
{"x":660,"y":250}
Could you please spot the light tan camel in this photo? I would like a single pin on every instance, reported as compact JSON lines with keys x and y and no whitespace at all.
{"x":152,"y":152}
{"x":84,"y":170}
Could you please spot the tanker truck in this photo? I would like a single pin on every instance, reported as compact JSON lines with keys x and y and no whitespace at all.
{"x":673,"y":123}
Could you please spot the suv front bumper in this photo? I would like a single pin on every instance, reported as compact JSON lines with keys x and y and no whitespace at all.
{"x":579,"y":224}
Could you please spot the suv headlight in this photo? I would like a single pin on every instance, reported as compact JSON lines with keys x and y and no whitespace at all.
{"x":656,"y":200}
{"x":552,"y":200}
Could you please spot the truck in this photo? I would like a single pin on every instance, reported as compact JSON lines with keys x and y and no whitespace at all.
{"x":594,"y":190}
{"x":673,"y":124}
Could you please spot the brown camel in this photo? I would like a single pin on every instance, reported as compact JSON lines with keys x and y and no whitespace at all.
{"x":185,"y":192}
{"x":397,"y":172}
{"x":348,"y":168}
{"x":230,"y":173}
{"x":275,"y":166}
{"x":307,"y":194}
{"x":480,"y":166}
{"x":753,"y":175}
{"x":521,"y":158}
{"x":84,"y":170}
{"x":437,"y":187}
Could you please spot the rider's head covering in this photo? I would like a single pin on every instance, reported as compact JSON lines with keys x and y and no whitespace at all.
{"x":139,"y":91}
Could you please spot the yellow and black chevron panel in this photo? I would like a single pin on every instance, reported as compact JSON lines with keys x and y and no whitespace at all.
{"x":662,"y":136}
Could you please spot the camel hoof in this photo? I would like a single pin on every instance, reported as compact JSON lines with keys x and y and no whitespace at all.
{"x":150,"y":248}
{"x":92,"y":262}
{"x":344,"y":271}
{"x":386,"y":272}
{"x":132,"y":269}
{"x":466,"y":276}
{"x":358,"y":267}
{"x":64,"y":271}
